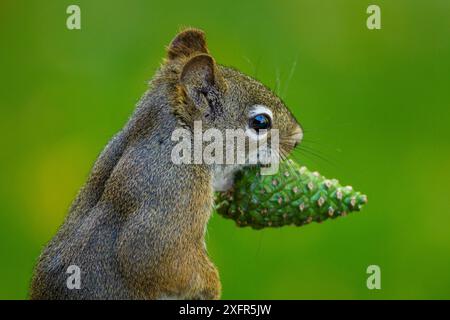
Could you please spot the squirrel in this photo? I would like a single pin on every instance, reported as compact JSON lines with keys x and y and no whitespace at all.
{"x":136,"y":228}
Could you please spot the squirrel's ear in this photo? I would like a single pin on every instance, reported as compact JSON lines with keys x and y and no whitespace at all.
{"x":201,"y":80}
{"x":186,"y":43}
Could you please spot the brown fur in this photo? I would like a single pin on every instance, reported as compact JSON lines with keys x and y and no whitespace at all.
{"x":136,"y":228}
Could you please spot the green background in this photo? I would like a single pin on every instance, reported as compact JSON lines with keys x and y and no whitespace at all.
{"x":374,"y":104}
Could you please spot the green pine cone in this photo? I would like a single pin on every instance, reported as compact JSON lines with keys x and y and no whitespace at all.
{"x":294,"y":196}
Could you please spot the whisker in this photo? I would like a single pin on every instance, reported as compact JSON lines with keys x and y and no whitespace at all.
{"x":309,"y":148}
{"x":252,"y":65}
{"x":317,"y":142}
{"x":277,"y":81}
{"x":298,"y":159}
{"x":290,"y":167}
{"x":291,"y":73}
{"x":306,"y":152}
{"x":329,"y":128}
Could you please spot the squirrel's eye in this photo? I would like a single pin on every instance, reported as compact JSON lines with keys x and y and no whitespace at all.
{"x":260,"y":121}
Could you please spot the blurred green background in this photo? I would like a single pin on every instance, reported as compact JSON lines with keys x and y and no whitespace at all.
{"x":375,"y":105}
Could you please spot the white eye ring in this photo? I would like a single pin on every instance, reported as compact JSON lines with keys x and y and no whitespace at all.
{"x":259,"y":108}
{"x":255,"y":110}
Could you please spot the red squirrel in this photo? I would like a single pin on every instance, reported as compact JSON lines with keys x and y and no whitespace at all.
{"x":136,"y":228}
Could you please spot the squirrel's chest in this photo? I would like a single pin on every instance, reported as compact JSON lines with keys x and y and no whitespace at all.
{"x":223,"y":177}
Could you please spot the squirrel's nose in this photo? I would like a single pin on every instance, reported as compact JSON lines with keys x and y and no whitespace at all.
{"x":297,"y":136}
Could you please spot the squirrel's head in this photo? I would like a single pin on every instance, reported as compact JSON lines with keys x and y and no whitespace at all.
{"x":222,"y":97}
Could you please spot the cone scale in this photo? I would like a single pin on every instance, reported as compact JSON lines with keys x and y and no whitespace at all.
{"x":294,"y":196}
